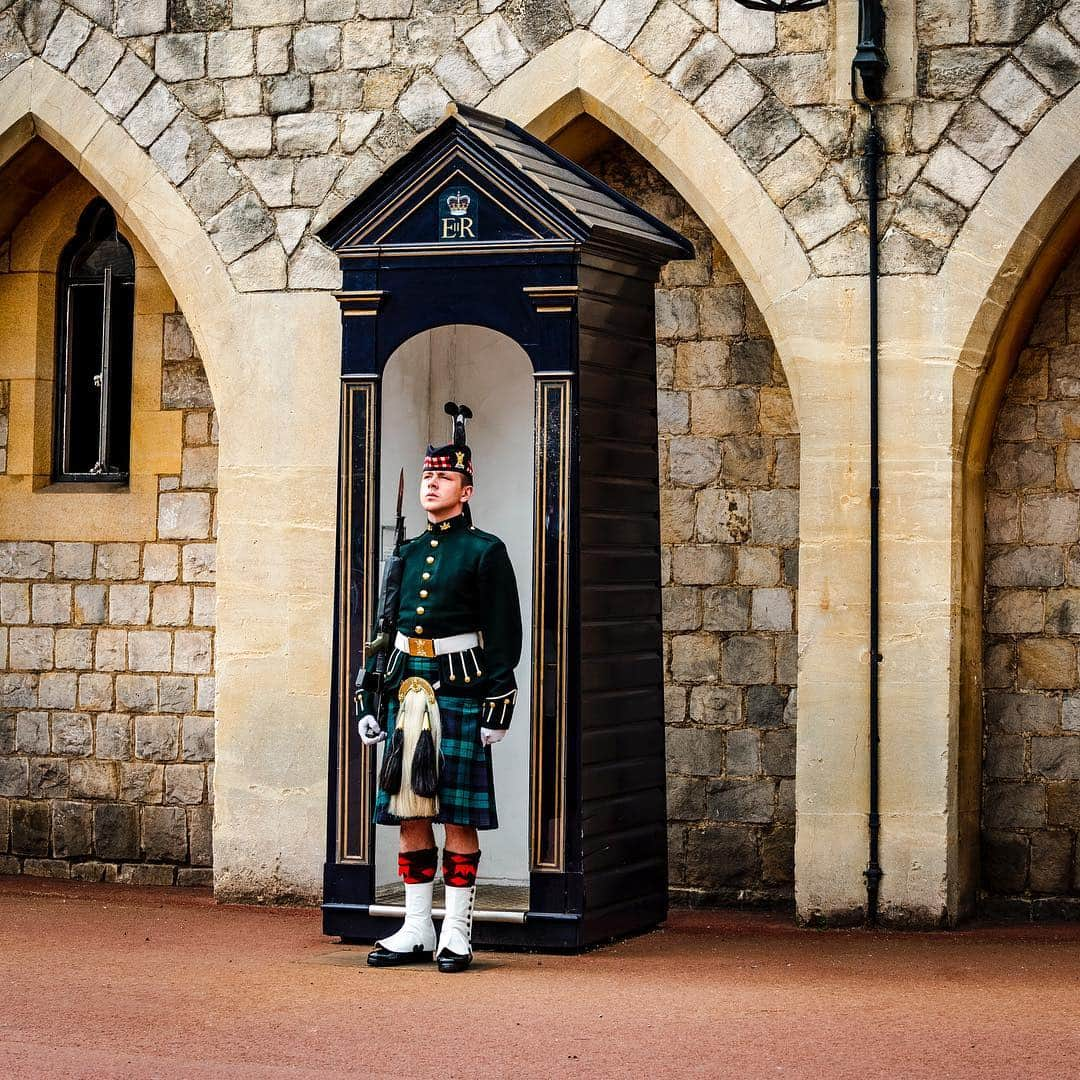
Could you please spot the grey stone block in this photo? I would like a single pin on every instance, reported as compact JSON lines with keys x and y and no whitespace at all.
{"x":198,"y":738}
{"x":726,"y":609}
{"x":176,"y":693}
{"x":1014,"y":94}
{"x":156,"y":738}
{"x":73,"y":560}
{"x":1026,"y":567}
{"x":765,"y":133}
{"x":305,"y":133}
{"x":745,"y":801}
{"x":72,"y":734}
{"x":765,"y":706}
{"x":51,"y":603}
{"x":18,"y":691}
{"x":235,"y":230}
{"x":1051,"y":861}
{"x":748,"y":659}
{"x":116,"y":831}
{"x":136,"y":18}
{"x":95,"y":692}
{"x":1014,"y":806}
{"x":1056,"y":758}
{"x":163,"y":833}
{"x":180,"y":56}
{"x":200,"y":831}
{"x":721,"y":855}
{"x":778,"y":856}
{"x":89,"y":605}
{"x":496,"y":49}
{"x":244,"y":136}
{"x":72,"y":827}
{"x":141,"y":782}
{"x":716,"y":705}
{"x":685,"y":798}
{"x":1004,"y":861}
{"x":19,"y":559}
{"x":778,"y":755}
{"x":185,"y":785}
{"x":7,"y":733}
{"x":136,"y":692}
{"x":316,"y":48}
{"x":181,"y":147}
{"x":57,"y":690}
{"x":14,"y":603}
{"x":32,"y":732}
{"x":695,"y":751}
{"x":230,"y":54}
{"x":67,"y":37}
{"x":743,"y":753}
{"x":129,"y":604}
{"x":30,"y":825}
{"x":956,"y":73}
{"x":112,"y":736}
{"x":48,"y":778}
{"x":152,"y":115}
{"x":460,"y":75}
{"x":1052,"y":58}
{"x":289,"y":94}
{"x":122,"y":89}
{"x":314,"y":178}
{"x":95,"y":61}
{"x":13,"y":777}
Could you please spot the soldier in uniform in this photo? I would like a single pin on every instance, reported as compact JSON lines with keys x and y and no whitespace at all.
{"x":450,"y":689}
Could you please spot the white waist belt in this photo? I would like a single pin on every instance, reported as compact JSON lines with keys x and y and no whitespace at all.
{"x":438,"y":646}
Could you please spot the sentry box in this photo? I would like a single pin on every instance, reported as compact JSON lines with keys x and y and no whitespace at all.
{"x":482,"y":266}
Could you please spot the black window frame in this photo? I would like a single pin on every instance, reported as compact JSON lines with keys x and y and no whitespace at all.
{"x":94,"y":332}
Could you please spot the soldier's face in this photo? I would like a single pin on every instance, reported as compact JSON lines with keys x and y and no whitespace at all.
{"x":442,"y":494}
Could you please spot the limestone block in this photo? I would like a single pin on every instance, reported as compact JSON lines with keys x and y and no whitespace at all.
{"x":943,"y":22}
{"x":1046,"y":664}
{"x":1012,"y":93}
{"x":330,"y":10}
{"x":129,"y":604}
{"x":152,"y":115}
{"x":149,"y":650}
{"x":742,"y":801}
{"x":267,"y":12}
{"x":199,"y":562}
{"x":67,"y":37}
{"x":272,"y":50}
{"x":18,"y":691}
{"x":72,"y":734}
{"x":316,"y":48}
{"x":722,"y":412}
{"x":721,"y":310}
{"x":185,"y":785}
{"x":51,"y":603}
{"x":160,"y":562}
{"x":771,"y":609}
{"x":1049,"y":519}
{"x":367,"y":44}
{"x":956,"y":174}
{"x":722,"y":516}
{"x":200,"y":831}
{"x":423,"y":103}
{"x":163,"y":831}
{"x":699,"y":66}
{"x":746,"y":461}
{"x":498,"y":52}
{"x":73,"y":560}
{"x":956,"y":73}
{"x":694,"y":460}
{"x":48,"y":778}
{"x":981,"y":134}
{"x":681,"y":608}
{"x":89,"y":605}
{"x":821,"y":212}
{"x":461,"y":77}
{"x":694,"y":751}
{"x":112,"y":736}
{"x":14,"y":603}
{"x":701,"y":363}
{"x":95,"y":61}
{"x":774,"y":517}
{"x":1032,"y":566}
{"x":730,"y":98}
{"x":57,"y":690}
{"x":180,"y":56}
{"x":748,"y":659}
{"x":193,"y":652}
{"x":205,"y":695}
{"x":672,"y":412}
{"x":30,"y":649}
{"x":127,"y":83}
{"x":1016,"y":612}
{"x":719,"y":855}
{"x":666,"y":35}
{"x":793,"y":171}
{"x":142,"y":782}
{"x":230,"y":54}
{"x":765,"y":133}
{"x":289,"y":94}
{"x":676,"y":313}
{"x":1051,"y":58}
{"x":314,"y":266}
{"x":176,"y":693}
{"x":291,"y":225}
{"x":677,"y":509}
{"x":795,"y":78}
{"x":726,"y":609}
{"x":92,"y":780}
{"x":245,"y":136}
{"x":25,"y":560}
{"x":305,"y":133}
{"x":929,"y":215}
{"x":32,"y":733}
{"x":156,"y":738}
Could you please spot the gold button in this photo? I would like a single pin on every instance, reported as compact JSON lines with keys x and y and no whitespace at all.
{"x":425,"y":575}
{"x":418,"y":629}
{"x":423,"y":594}
{"x":430,"y":559}
{"x":434,"y":543}
{"x":419,"y":611}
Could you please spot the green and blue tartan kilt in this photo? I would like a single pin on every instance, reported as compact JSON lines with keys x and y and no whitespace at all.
{"x":466,"y":783}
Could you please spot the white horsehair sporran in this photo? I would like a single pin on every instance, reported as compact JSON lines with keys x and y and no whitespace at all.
{"x":418,"y":711}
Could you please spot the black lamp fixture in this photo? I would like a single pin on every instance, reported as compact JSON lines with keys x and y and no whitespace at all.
{"x":869,"y":60}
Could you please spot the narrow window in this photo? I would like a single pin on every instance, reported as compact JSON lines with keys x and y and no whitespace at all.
{"x":95,"y":307}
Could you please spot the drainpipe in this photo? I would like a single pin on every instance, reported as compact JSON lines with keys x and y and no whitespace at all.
{"x":871,"y":63}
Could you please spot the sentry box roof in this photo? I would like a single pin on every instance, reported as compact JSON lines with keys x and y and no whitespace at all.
{"x":477,"y":182}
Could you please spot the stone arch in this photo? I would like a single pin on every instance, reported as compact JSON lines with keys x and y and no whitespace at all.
{"x":581,"y":73}
{"x":993,"y":281}
{"x":38,"y":101}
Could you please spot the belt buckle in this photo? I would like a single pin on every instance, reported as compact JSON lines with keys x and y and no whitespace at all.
{"x":419,"y":646}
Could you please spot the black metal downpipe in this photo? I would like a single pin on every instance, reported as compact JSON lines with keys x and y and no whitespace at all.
{"x":870,"y":65}
{"x":871,"y":163}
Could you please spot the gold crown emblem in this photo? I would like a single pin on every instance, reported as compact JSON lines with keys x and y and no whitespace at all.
{"x":458,"y":203}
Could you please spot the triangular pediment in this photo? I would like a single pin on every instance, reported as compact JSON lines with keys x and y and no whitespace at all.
{"x":477,"y":182}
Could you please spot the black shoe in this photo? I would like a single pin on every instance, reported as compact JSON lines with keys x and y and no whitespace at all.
{"x":383,"y":957}
{"x":451,"y":961}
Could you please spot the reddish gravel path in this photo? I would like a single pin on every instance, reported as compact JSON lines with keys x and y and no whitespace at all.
{"x":107,"y":981}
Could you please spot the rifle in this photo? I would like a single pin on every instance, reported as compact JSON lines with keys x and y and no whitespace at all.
{"x":373,"y":681}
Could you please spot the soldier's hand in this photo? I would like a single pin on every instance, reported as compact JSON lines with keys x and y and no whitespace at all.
{"x":489,"y":736}
{"x":370,"y":732}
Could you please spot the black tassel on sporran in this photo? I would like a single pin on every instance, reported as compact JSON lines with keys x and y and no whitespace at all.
{"x":390,"y":776}
{"x":425,"y":767}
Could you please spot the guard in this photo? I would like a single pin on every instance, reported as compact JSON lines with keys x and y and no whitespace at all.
{"x":439,"y":684}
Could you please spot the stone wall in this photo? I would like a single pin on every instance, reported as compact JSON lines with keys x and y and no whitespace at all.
{"x":729,"y":449}
{"x":107,"y":678}
{"x":1031,"y":759}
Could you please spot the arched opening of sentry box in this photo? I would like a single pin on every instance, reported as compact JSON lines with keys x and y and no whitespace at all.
{"x":492,"y":374}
